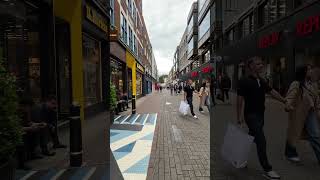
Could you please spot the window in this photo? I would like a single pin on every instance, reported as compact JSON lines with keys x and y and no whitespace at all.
{"x":230,"y":4}
{"x":246,"y":26}
{"x":130,"y":38}
{"x":130,"y":6}
{"x":201,"y":3}
{"x":134,"y":13}
{"x":204,"y":26}
{"x":271,"y":10}
{"x":190,"y":45}
{"x":190,"y":24}
{"x":124,"y":33}
{"x":112,"y":12}
{"x":91,"y":70}
{"x":134,"y":44}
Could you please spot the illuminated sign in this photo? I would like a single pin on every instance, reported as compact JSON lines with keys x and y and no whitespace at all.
{"x":269,"y":40}
{"x":140,"y":67}
{"x":96,"y":19}
{"x":307,"y":26}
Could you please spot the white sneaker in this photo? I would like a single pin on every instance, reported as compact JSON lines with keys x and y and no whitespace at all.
{"x":271,"y":175}
{"x":195,"y":117}
{"x":294,"y":159}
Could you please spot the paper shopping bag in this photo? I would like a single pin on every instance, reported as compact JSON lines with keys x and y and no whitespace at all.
{"x":236,"y":146}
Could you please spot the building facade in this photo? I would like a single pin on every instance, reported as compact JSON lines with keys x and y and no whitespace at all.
{"x":131,"y":49}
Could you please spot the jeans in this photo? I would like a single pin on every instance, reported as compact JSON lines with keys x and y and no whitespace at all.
{"x":313,"y":132}
{"x":255,"y":123}
{"x":189,"y":100}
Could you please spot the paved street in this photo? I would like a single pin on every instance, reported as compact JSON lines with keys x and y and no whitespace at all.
{"x":180,"y":148}
{"x":275,"y":129}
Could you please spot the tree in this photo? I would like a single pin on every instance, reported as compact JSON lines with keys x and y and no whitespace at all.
{"x":162,"y":77}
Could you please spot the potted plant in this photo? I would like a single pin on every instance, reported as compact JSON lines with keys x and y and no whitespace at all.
{"x":113,"y":101}
{"x":10,"y":129}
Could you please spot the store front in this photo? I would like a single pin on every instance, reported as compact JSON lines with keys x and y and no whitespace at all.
{"x":140,"y":80}
{"x":95,"y":60}
{"x":26,"y":46}
{"x":118,"y":67}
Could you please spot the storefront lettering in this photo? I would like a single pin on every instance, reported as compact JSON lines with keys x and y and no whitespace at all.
{"x":207,"y":69}
{"x":194,"y":74}
{"x":307,"y":26}
{"x":95,"y":18}
{"x":269,"y":40}
{"x":140,"y":67}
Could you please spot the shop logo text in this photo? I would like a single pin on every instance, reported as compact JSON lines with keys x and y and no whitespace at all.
{"x":269,"y":40}
{"x":307,"y":26}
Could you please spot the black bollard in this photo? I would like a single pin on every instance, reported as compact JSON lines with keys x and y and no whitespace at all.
{"x":75,"y":137}
{"x":133,"y":104}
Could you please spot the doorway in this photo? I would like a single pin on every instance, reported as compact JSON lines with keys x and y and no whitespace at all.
{"x":63,"y":60}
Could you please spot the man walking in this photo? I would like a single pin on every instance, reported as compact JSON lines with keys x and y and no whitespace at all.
{"x":188,"y":95}
{"x":251,"y":93}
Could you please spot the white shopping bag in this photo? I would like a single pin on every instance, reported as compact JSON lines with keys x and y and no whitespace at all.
{"x":184,"y":108}
{"x":236,"y":146}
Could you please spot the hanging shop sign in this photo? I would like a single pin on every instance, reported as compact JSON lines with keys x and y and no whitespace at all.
{"x":140,"y":67}
{"x":307,"y":26}
{"x":207,"y":69}
{"x":96,"y":18}
{"x":194,"y":74}
{"x":269,"y":40}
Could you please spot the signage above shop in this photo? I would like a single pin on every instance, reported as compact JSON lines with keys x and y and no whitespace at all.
{"x":194,"y":74}
{"x":269,"y":40}
{"x":308,"y":25}
{"x":207,"y":69}
{"x":96,"y":18}
{"x":140,"y":67}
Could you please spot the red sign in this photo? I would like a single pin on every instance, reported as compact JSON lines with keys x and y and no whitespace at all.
{"x":194,"y":74}
{"x":269,"y":40}
{"x":307,"y":26}
{"x":207,"y":69}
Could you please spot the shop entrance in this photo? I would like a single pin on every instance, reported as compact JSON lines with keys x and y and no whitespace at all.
{"x":63,"y":58}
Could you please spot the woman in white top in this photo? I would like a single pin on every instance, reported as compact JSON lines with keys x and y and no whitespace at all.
{"x":204,"y":94}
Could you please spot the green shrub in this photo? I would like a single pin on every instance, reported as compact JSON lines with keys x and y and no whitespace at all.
{"x":10,"y":126}
{"x":113,"y":97}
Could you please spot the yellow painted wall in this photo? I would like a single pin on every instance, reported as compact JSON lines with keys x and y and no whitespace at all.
{"x":71,"y":11}
{"x":131,"y":63}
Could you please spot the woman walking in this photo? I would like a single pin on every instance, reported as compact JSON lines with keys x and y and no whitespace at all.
{"x":303,"y":105}
{"x":204,"y":95}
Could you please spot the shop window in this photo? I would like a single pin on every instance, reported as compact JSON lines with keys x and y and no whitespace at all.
{"x":124,"y":32}
{"x":91,"y":70}
{"x":139,"y":83}
{"x":117,"y":75}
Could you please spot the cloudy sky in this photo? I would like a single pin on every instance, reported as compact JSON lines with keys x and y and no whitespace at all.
{"x":166,"y":21}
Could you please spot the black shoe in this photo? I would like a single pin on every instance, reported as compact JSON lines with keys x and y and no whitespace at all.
{"x":25,"y":168}
{"x":62,"y":146}
{"x":47,"y":153}
{"x":36,"y":156}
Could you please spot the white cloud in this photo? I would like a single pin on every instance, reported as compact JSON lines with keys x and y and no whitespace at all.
{"x":166,"y":21}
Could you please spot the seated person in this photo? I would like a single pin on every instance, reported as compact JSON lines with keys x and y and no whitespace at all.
{"x":46,"y":113}
{"x":26,"y":150}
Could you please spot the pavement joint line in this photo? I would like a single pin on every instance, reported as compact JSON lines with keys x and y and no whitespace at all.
{"x":90,"y":173}
{"x":145,"y":120}
{"x":58,"y":174}
{"x":135,"y":119}
{"x":125,"y":119}
{"x":27,"y":176}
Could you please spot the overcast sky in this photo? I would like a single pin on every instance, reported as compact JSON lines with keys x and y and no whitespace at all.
{"x":166,"y":21}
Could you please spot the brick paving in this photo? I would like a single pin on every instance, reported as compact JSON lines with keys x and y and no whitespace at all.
{"x":181,"y":144}
{"x":275,"y":130}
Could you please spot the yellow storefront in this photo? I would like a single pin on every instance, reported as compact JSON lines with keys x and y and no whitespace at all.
{"x":131,"y":63}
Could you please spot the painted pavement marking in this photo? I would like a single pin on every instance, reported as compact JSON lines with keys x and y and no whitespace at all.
{"x":134,"y":121}
{"x":27,"y":176}
{"x":58,"y":174}
{"x":125,"y":119}
{"x":89,"y":174}
{"x":145,"y":120}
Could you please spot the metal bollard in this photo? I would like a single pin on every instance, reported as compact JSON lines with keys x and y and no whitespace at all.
{"x":133,"y":104}
{"x":75,"y":136}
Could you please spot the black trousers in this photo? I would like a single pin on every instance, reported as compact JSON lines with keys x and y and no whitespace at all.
{"x":189,"y":100}
{"x":225,"y":93}
{"x":255,"y":123}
